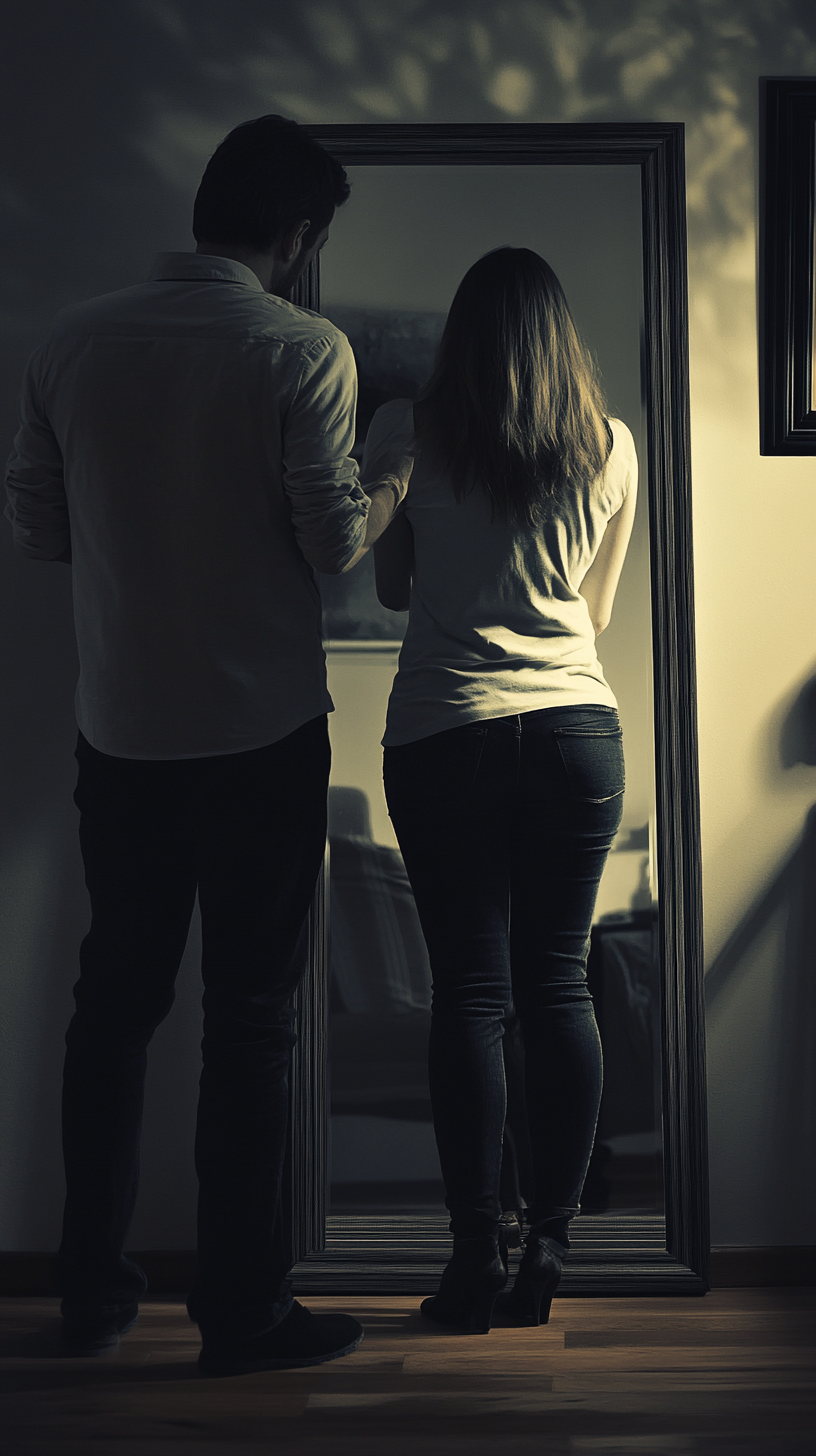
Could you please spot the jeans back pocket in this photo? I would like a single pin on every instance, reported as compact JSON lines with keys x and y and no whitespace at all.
{"x":593,"y":762}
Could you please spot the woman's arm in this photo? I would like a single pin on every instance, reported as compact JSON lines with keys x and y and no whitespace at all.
{"x":394,"y":564}
{"x":601,"y":581}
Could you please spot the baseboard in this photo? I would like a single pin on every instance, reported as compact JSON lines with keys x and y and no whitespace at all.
{"x":173,"y":1271}
{"x":169,"y":1271}
{"x":782,"y":1266}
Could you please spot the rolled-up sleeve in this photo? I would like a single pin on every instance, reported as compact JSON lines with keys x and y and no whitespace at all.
{"x":329,"y":508}
{"x":35,"y":482}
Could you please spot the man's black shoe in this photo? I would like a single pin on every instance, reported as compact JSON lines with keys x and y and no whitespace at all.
{"x":301,"y":1338}
{"x":92,"y":1331}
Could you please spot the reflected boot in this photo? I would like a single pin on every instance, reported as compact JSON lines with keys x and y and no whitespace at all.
{"x":469,"y":1286}
{"x":510,"y":1226}
{"x":529,"y":1301}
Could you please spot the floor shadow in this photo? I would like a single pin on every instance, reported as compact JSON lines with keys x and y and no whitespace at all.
{"x":101,"y":1371}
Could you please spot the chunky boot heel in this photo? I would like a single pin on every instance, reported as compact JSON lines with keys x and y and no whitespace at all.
{"x":530,"y":1299}
{"x":469,"y":1286}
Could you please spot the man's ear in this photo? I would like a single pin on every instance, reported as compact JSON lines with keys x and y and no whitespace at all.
{"x":292,"y":241}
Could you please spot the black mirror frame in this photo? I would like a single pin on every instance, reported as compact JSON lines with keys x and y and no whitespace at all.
{"x":624,"y":1255}
{"x":787,"y":264}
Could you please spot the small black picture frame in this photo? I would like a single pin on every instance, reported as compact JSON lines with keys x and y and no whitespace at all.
{"x":787,"y":265}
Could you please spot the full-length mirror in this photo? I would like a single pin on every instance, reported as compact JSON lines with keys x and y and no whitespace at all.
{"x":396,"y":255}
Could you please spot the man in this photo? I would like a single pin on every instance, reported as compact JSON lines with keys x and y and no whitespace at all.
{"x":185,"y":445}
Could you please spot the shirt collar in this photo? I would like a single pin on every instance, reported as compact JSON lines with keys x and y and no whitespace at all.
{"x":202,"y":266}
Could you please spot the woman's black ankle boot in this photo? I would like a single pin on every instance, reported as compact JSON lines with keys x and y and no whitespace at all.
{"x":537,"y":1279}
{"x":469,"y":1285}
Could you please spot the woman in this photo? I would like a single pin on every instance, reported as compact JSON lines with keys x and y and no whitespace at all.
{"x":503,"y":759}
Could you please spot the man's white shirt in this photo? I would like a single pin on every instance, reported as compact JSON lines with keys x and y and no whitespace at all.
{"x":190,"y":439}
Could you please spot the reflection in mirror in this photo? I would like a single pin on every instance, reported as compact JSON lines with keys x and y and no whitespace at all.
{"x":396,"y":255}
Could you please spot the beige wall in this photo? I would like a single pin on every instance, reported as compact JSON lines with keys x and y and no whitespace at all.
{"x":115,"y":109}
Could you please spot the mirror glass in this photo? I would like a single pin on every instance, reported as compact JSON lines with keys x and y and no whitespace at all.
{"x":395,"y":257}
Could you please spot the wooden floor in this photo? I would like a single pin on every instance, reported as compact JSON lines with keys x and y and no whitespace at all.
{"x":733,"y":1372}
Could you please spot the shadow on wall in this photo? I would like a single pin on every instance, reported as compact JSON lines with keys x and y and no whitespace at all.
{"x":772,"y":955}
{"x":797,"y":741}
{"x":162,"y":80}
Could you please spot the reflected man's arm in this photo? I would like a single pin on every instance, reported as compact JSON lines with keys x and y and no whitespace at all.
{"x":394,"y":564}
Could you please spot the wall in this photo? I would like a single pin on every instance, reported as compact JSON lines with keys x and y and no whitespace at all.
{"x":113,"y":111}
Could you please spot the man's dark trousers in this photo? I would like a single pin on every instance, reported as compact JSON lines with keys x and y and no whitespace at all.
{"x":247,"y":832}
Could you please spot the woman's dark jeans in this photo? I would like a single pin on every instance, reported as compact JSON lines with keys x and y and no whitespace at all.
{"x":504,"y":826}
{"x":247,"y":831}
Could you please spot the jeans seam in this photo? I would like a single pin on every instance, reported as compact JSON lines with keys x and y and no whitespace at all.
{"x":587,"y":731}
{"x":482,"y":742}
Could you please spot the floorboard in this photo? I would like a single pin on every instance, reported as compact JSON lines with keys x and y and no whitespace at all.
{"x":733,"y":1374}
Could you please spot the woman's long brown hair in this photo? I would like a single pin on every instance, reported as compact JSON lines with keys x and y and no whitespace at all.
{"x":514,"y":404}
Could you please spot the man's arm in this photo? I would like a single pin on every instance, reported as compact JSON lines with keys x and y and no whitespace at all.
{"x":335,"y":519}
{"x":388,"y":461}
{"x":35,"y":480}
{"x":386,"y":495}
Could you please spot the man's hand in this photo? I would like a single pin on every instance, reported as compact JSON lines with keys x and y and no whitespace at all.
{"x":386,"y":492}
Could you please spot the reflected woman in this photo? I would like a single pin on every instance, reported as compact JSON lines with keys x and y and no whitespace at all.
{"x":503,"y":762}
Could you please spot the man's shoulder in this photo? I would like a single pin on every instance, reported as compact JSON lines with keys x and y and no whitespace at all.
{"x":298,"y":337}
{"x":303,"y":325}
{"x":100,"y":306}
{"x":250,"y":311}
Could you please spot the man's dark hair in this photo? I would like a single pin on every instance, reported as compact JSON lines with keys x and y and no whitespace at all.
{"x":264,"y":177}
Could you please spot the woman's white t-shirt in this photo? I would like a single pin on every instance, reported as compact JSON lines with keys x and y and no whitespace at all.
{"x":497,"y":624}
